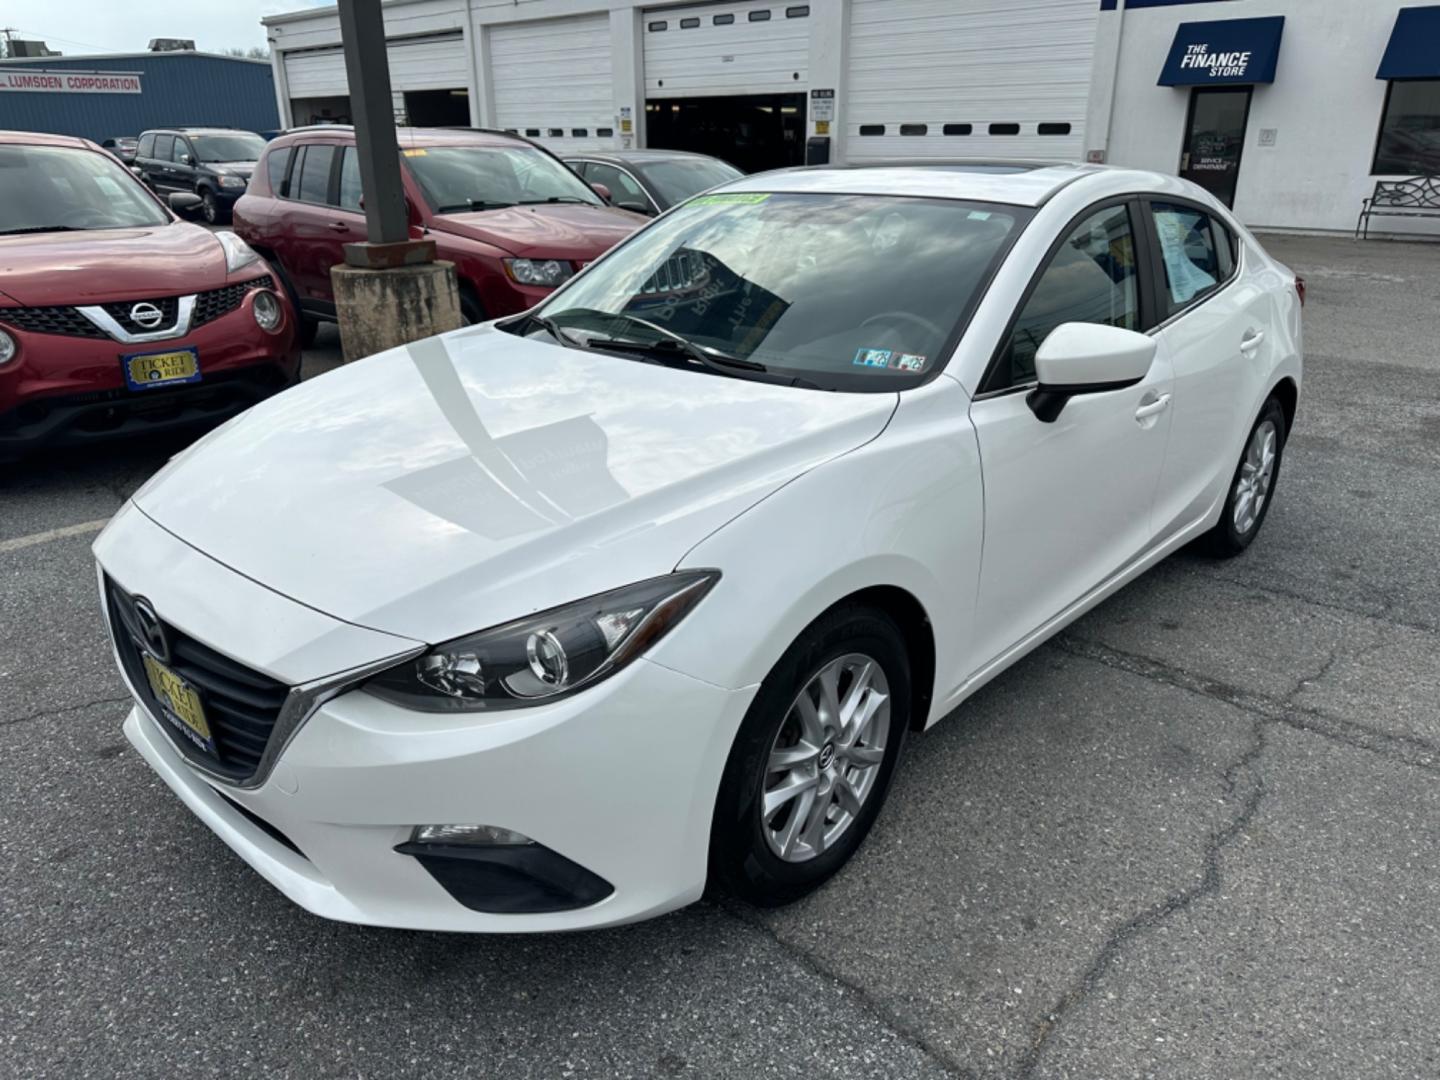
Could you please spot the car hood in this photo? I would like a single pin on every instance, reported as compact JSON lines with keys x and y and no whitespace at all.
{"x":99,"y":265}
{"x":553,"y":231}
{"x":232,"y":168}
{"x":465,"y":480}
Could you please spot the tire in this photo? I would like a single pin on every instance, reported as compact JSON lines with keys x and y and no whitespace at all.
{"x":747,"y":850}
{"x":308,"y":325}
{"x":210,"y":208}
{"x":471,"y":311}
{"x":1240,"y":522}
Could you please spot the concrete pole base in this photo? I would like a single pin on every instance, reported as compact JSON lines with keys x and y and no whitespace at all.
{"x":380,"y":309}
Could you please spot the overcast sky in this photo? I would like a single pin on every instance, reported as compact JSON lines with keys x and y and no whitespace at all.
{"x":78,"y":27}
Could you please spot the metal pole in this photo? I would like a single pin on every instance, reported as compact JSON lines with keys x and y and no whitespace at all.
{"x":367,"y":69}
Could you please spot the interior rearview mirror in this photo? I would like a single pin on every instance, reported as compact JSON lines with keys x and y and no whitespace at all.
{"x":183,"y":202}
{"x":1086,"y":358}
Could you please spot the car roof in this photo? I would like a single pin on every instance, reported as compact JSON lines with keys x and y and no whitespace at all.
{"x":40,"y":138}
{"x":413,"y":136}
{"x":188,"y":130}
{"x":1018,"y":183}
{"x":636,"y":156}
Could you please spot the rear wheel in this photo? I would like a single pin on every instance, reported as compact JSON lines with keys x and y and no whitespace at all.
{"x":1253,"y":484}
{"x":812,"y":762}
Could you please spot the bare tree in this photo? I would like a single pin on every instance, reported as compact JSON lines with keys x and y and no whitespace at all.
{"x":255,"y":52}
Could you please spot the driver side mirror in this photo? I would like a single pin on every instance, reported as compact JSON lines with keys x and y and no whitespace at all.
{"x":184,"y":202}
{"x":185,"y":159}
{"x":603,"y":191}
{"x":1086,"y":358}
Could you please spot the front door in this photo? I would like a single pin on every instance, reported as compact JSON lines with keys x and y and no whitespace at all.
{"x":1214,"y":138}
{"x":1068,"y":503}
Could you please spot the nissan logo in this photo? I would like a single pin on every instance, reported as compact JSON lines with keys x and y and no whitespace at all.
{"x":152,"y":630}
{"x":146,"y":315}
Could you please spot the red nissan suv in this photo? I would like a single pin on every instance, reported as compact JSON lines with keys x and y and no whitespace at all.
{"x":116,"y":317}
{"x":508,"y":213}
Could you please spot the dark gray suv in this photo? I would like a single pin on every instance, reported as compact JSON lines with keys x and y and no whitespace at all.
{"x":214,"y":163}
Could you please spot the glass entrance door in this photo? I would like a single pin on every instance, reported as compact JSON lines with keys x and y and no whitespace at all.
{"x":1214,"y":138}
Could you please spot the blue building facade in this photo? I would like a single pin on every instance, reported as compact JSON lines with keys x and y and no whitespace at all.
{"x":176,"y":88}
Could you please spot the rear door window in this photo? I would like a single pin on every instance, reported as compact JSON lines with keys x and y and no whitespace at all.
{"x":350,"y":192}
{"x":314,"y":169}
{"x":164,"y":145}
{"x":276,"y":163}
{"x":147,"y":145}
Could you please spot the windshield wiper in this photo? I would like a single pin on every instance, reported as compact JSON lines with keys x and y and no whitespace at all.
{"x":474,"y":204}
{"x":558,"y":199}
{"x":552,"y":328}
{"x":713,"y":359}
{"x":42,"y":228}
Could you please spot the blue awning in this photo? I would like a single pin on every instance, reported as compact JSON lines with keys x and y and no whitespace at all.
{"x":1414,"y":49}
{"x":1225,"y":51}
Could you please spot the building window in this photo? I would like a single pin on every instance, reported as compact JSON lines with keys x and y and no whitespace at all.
{"x":914,"y":129}
{"x":580,"y":133}
{"x":1004,"y":129}
{"x":760,"y":16}
{"x":799,"y":11}
{"x":656,"y":27}
{"x":1054,"y":129}
{"x":872,"y":129}
{"x":959,"y":129}
{"x":1409,"y":143}
{"x":534,"y":133}
{"x":689,"y":24}
{"x":557,"y":133}
{"x":604,"y":133}
{"x":723,"y":20}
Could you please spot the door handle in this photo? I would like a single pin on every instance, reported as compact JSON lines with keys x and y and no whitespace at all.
{"x":339,"y":226}
{"x":1251,"y":341}
{"x":1153,"y":408}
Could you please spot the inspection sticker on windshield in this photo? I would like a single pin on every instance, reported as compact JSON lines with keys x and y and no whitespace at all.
{"x":748,"y":198}
{"x":908,"y":361}
{"x":414,"y":151}
{"x":879,"y":358}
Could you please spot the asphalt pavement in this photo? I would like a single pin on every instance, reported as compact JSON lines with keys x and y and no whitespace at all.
{"x":1195,"y":836}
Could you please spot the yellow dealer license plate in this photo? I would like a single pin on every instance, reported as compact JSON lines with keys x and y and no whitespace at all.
{"x":145,"y":371}
{"x":180,"y":703}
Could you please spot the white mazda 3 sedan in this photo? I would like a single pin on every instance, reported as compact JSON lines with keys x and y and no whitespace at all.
{"x":548,"y":622}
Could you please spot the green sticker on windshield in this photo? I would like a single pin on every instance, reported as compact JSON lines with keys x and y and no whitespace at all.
{"x":747,"y":198}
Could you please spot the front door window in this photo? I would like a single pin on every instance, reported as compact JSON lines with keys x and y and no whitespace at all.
{"x":1214,"y":138}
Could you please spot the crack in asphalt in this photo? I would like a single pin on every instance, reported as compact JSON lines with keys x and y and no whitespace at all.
{"x":872,"y":1006}
{"x":44,"y":713}
{"x":1208,"y":885}
{"x":1409,"y":750}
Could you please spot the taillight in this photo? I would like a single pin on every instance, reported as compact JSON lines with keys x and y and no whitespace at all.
{"x":1300,"y":288}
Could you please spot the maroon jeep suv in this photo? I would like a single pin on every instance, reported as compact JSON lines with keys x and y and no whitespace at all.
{"x":514,"y":220}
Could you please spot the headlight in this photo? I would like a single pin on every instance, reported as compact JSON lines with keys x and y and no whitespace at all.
{"x":233,"y":181}
{"x":544,"y":656}
{"x":266,"y":308}
{"x":238,"y":254}
{"x":539,"y":271}
{"x":7,"y":348}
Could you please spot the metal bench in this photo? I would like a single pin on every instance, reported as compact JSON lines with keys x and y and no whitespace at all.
{"x":1419,"y":197}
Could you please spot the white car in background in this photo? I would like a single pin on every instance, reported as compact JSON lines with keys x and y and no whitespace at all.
{"x":545,"y":623}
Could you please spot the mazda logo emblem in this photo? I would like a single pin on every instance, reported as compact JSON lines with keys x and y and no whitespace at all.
{"x":146,"y":315}
{"x":152,"y":630}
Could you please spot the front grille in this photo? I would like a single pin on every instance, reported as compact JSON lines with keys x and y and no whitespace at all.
{"x":209,"y":306}
{"x":169,"y":311}
{"x":65,"y":321}
{"x":241,"y":705}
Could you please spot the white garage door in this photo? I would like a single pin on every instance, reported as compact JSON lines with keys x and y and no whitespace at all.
{"x":434,"y":62}
{"x":552,"y":81}
{"x":968,"y":78}
{"x":316,"y":73}
{"x":714,"y":50}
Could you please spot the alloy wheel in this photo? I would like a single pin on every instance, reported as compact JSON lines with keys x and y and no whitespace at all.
{"x":1257,"y":470}
{"x":826,"y":757}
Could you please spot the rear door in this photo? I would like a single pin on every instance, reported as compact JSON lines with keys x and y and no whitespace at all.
{"x":1213,"y":330}
{"x":313,"y":229}
{"x":158,"y":169}
{"x":1068,"y":503}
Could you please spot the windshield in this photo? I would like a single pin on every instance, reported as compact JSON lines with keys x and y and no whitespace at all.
{"x":462,"y":178}
{"x":679,"y":178}
{"x":845,"y":292}
{"x":52,"y":188}
{"x":238,"y":147}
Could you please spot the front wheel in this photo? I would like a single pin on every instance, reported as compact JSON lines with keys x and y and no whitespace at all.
{"x":812,"y":762}
{"x":1251,"y":488}
{"x":210,"y":207}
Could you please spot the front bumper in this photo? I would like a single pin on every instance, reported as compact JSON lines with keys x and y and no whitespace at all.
{"x":70,"y":391}
{"x":620,"y":779}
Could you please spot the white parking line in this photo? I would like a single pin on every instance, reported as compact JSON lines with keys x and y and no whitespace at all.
{"x":52,"y":534}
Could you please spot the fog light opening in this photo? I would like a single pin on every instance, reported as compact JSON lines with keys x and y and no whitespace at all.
{"x":472,"y":835}
{"x":266,"y":308}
